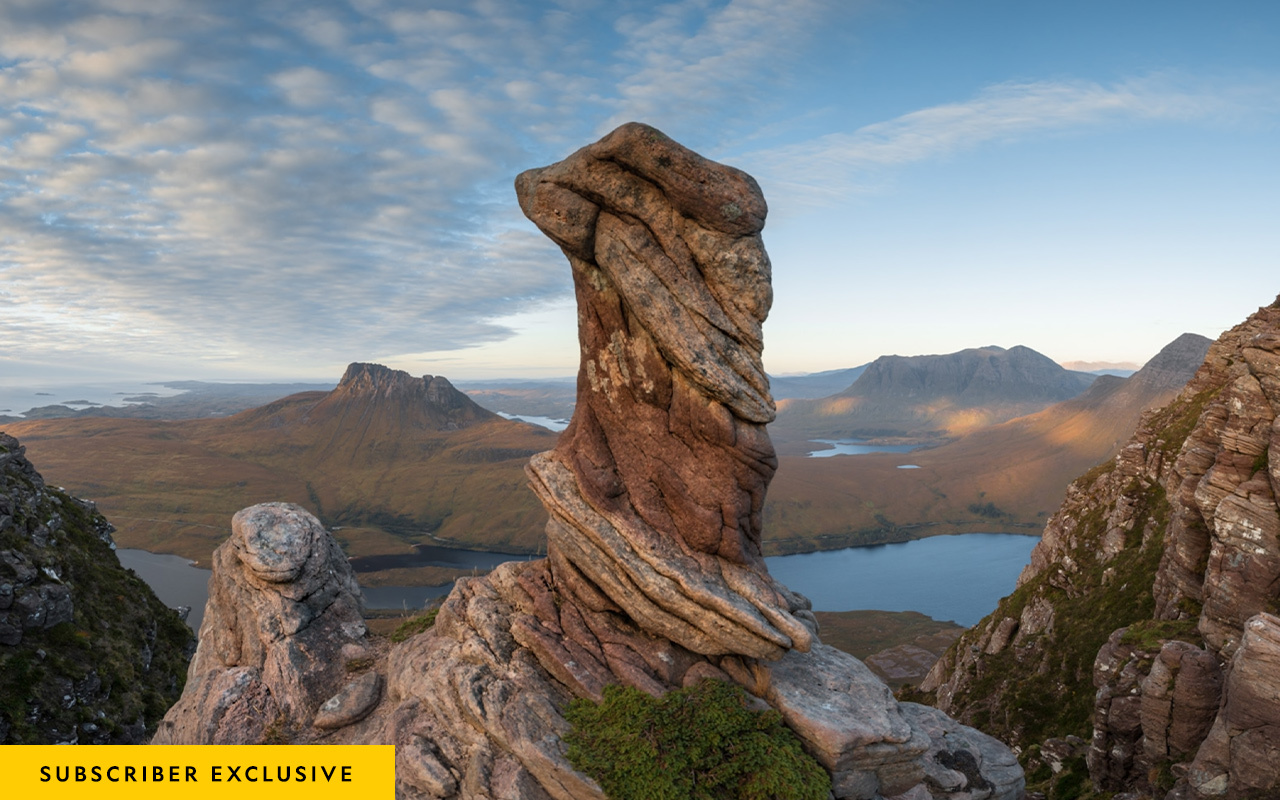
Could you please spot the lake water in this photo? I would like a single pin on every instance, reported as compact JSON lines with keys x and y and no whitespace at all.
{"x":174,"y":580}
{"x":957,"y":578}
{"x":857,"y":447}
{"x":549,"y":423}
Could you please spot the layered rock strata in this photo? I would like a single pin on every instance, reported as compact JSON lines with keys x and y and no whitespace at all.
{"x":1149,"y":582}
{"x":653,"y":577}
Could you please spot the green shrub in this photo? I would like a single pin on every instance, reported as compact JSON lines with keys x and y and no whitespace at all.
{"x":414,"y":625}
{"x":698,"y":743}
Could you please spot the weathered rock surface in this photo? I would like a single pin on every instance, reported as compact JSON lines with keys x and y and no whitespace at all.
{"x":87,"y":651}
{"x":1175,"y":547}
{"x":1241,"y":755}
{"x":1180,"y":698}
{"x":653,"y":578}
{"x":283,"y":604}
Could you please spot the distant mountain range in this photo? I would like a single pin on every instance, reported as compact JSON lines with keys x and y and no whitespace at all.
{"x":392,"y":460}
{"x":1004,"y":477}
{"x":934,"y":396}
{"x":198,"y":399}
{"x":388,"y":458}
{"x":814,"y":384}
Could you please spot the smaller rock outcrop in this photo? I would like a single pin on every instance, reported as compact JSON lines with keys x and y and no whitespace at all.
{"x":283,"y":619}
{"x":1240,"y":757}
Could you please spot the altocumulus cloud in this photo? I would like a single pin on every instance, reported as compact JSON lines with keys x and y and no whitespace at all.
{"x":205,"y":181}
{"x":207,"y":187}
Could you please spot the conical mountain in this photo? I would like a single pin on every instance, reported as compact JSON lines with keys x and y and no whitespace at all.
{"x":383,"y":453}
{"x":372,"y":396}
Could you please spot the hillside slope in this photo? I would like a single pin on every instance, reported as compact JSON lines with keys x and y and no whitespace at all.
{"x":1147,"y":600}
{"x":390,"y":459}
{"x":934,"y":396}
{"x":1005,"y":477}
{"x":87,"y":652}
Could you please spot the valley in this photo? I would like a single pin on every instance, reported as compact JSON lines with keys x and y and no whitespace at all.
{"x":389,"y":464}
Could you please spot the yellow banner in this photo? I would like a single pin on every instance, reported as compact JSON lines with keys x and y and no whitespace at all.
{"x":195,"y":772}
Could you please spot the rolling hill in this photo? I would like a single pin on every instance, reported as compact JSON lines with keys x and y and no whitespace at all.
{"x":388,"y":459}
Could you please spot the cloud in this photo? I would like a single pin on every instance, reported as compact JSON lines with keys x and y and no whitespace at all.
{"x":314,"y":183}
{"x":689,"y":61}
{"x":833,"y":166}
{"x":252,"y":185}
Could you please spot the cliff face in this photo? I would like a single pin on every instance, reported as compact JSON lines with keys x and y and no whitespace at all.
{"x":653,"y":578}
{"x":87,"y":652}
{"x":1150,"y":599}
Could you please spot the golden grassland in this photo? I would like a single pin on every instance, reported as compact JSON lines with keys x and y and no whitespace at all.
{"x":864,"y":633}
{"x":1004,"y":478}
{"x":172,"y":486}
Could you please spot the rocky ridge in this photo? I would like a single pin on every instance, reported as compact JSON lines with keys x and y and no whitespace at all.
{"x":87,"y":652}
{"x":653,"y":578}
{"x":1145,"y":621}
{"x":372,"y":390}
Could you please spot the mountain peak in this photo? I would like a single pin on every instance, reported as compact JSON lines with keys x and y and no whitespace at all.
{"x":375,"y":376}
{"x":970,"y":377}
{"x":430,"y":401}
{"x":1176,"y":362}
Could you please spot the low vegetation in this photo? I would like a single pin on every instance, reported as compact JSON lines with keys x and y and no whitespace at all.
{"x":414,"y":625}
{"x":698,"y":743}
{"x":111,"y":672}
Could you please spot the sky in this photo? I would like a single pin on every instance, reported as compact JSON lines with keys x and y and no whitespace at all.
{"x":227,"y":190}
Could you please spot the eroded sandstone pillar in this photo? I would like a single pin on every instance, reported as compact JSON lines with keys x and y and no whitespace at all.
{"x":656,"y":488}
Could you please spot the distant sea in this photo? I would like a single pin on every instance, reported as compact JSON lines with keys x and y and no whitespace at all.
{"x":17,"y":400}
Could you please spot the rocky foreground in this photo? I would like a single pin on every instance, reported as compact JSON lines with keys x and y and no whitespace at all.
{"x":654,"y":577}
{"x":88,"y":654}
